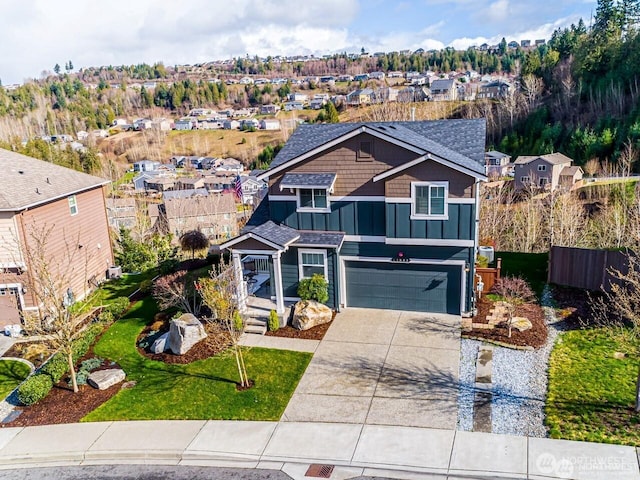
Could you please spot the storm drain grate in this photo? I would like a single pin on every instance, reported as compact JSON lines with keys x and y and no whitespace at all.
{"x":319,"y":471}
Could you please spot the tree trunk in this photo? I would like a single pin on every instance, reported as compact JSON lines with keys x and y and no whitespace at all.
{"x":72,"y":372}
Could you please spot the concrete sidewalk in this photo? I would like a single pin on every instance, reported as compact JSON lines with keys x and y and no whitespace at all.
{"x":371,"y":450}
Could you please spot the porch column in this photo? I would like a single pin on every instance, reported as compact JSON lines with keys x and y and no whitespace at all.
{"x":277,"y":273}
{"x":241,"y":285}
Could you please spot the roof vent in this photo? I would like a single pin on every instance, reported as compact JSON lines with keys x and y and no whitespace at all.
{"x":391,"y":126}
{"x":37,"y":191}
{"x":21,"y":172}
{"x":48,"y":181}
{"x":381,"y":128}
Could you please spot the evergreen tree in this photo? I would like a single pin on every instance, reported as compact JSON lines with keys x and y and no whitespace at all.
{"x":56,"y":69}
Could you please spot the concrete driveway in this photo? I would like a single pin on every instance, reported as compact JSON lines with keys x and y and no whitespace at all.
{"x":383,"y":367}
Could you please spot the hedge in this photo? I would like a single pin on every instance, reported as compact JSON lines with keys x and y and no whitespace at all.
{"x":34,"y":389}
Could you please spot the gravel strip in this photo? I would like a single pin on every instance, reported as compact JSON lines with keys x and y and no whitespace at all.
{"x":467,"y":379}
{"x":520,"y":383}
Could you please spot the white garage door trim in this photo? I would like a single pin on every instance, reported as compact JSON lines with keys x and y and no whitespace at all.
{"x":415,"y":261}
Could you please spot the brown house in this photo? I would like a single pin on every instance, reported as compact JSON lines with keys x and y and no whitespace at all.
{"x":213,"y":214}
{"x":545,"y":172}
{"x":57,"y":214}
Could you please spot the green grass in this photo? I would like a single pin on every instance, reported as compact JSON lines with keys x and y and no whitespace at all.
{"x":121,"y":287}
{"x":205,"y":389}
{"x":531,"y":266}
{"x":591,"y":393}
{"x":12,"y":374}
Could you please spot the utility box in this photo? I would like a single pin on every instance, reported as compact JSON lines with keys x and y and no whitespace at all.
{"x":114,"y":272}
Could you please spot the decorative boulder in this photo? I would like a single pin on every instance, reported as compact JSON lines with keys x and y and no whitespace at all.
{"x":184,"y":333}
{"x":161,"y":343}
{"x":103,"y":379}
{"x":308,"y":314}
{"x":521,"y":324}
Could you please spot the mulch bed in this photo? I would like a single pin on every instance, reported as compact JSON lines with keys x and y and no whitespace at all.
{"x":535,"y":337}
{"x":216,"y":342}
{"x":314,"y":333}
{"x":572,"y":305}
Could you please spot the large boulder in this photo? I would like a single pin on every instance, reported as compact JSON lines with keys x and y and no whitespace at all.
{"x":308,"y":314}
{"x":521,"y":324}
{"x":184,"y":333}
{"x":161,"y":343}
{"x":103,"y":379}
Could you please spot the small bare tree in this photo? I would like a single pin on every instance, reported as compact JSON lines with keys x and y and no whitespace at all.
{"x":219,"y":292}
{"x":591,"y":167}
{"x":177,"y":290}
{"x":515,"y":291}
{"x":49,"y":280}
{"x":619,"y":309}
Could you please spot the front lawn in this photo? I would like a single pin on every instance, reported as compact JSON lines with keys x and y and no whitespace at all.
{"x":205,"y":389}
{"x":120,"y":287}
{"x":12,"y":373}
{"x":591,"y":393}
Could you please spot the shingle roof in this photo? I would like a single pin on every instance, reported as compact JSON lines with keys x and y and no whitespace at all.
{"x":459,"y":141}
{"x":187,"y":193}
{"x":553,"y":158}
{"x":317,"y":238}
{"x":281,"y":235}
{"x":311,"y":180}
{"x":569,"y":171}
{"x":27,"y":181}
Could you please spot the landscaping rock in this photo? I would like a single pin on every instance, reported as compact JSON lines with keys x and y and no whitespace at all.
{"x":103,"y":379}
{"x":161,"y":343}
{"x":308,"y":314}
{"x":521,"y":324}
{"x":618,"y":355}
{"x":184,"y":333}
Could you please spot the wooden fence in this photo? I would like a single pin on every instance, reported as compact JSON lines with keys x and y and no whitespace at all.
{"x":584,"y":268}
{"x":489,"y":277}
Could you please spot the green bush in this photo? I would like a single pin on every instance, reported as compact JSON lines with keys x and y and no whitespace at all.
{"x":118,"y":306}
{"x":274,"y":321}
{"x":482,"y":261}
{"x":145,"y":286}
{"x":56,"y":367}
{"x":106,"y":317}
{"x":238,"y":323}
{"x":314,"y":288}
{"x":34,"y":389}
{"x":84,"y":342}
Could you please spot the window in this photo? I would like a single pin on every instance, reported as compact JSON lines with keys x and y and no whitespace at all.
{"x":73,"y":205}
{"x":365,"y":151}
{"x":542,"y":168}
{"x":313,"y":199}
{"x":543,"y":182}
{"x":311,"y":262}
{"x":525,"y":180}
{"x":429,"y":200}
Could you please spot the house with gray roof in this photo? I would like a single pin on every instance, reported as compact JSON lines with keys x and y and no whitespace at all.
{"x":386,"y":212}
{"x":545,"y":172}
{"x":443,"y":89}
{"x":65,"y":209}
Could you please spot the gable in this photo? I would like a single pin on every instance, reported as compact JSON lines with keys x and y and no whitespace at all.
{"x":399,"y":186}
{"x":354,"y":173}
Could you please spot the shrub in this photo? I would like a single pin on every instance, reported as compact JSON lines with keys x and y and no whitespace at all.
{"x":314,"y":288}
{"x":274,"y":321}
{"x":85,"y":369}
{"x":118,"y":306}
{"x":145,"y":286}
{"x":168,"y":266}
{"x":106,"y":317}
{"x":34,"y":389}
{"x":56,"y":367}
{"x":482,"y":261}
{"x":238,"y":323}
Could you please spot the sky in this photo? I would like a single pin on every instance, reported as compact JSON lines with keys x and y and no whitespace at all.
{"x":37,"y":34}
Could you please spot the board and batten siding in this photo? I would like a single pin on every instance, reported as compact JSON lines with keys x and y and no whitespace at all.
{"x":460,"y":224}
{"x":84,"y":237}
{"x":290,"y":274}
{"x":9,"y":240}
{"x":354,"y":176}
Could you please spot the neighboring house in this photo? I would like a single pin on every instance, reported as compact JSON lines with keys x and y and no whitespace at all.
{"x":545,"y":171}
{"x":443,"y":90}
{"x":362,"y":96}
{"x":219,"y":182}
{"x":213,"y":214}
{"x":121,"y":212}
{"x":160,"y":184}
{"x":140,"y":182}
{"x":145,"y":166}
{"x":186,"y":124}
{"x":570,"y":176}
{"x":298,"y":97}
{"x":293,"y":105}
{"x":231,"y":124}
{"x":251,"y":189}
{"x":413,"y":94}
{"x":497,"y":164}
{"x":269,"y":109}
{"x":188,"y":183}
{"x":39,"y":196}
{"x":495,"y":89}
{"x":229,"y":165}
{"x":386,"y":212}
{"x":269,"y":124}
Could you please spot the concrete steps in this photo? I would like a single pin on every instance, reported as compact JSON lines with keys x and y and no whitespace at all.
{"x":255,"y":326}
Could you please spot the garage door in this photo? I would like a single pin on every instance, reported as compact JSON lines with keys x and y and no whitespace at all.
{"x":396,"y":286}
